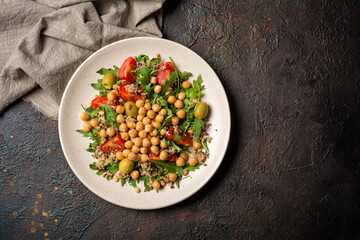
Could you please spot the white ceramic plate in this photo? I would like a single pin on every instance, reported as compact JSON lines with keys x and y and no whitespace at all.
{"x":79,"y":91}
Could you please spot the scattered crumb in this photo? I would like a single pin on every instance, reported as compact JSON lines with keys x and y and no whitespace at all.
{"x":70,"y":192}
{"x":46,"y":234}
{"x":56,"y":188}
{"x":48,"y":150}
{"x":33,"y":230}
{"x":4,"y":170}
{"x":11,"y":136}
{"x":38,"y":196}
{"x":55,"y":220}
{"x":45,"y":214}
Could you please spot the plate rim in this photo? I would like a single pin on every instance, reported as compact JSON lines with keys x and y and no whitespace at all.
{"x":93,"y":190}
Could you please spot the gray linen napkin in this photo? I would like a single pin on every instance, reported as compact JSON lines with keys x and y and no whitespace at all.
{"x":43,"y":42}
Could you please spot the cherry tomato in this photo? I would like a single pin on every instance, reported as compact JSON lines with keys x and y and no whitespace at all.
{"x":165,"y":74}
{"x":126,"y":68}
{"x":172,"y":158}
{"x":113,"y":145}
{"x":126,"y":96}
{"x":97,"y":102}
{"x":185,"y":137}
{"x":154,"y":156}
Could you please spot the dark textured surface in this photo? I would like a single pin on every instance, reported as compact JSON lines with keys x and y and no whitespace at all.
{"x":291,"y":72}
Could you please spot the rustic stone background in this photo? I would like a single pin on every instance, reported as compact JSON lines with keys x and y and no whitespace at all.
{"x":291,"y":72}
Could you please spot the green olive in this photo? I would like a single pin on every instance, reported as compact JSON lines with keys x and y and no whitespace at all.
{"x":126,"y":166}
{"x":108,"y":80}
{"x":131,"y":109}
{"x":201,"y":110}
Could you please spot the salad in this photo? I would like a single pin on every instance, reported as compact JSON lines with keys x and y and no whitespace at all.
{"x":147,"y":124}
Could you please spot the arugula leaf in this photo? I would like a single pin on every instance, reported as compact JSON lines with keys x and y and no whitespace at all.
{"x":204,"y":144}
{"x":171,"y":167}
{"x":177,"y":74}
{"x":104,"y":71}
{"x":197,"y":126}
{"x":146,"y":183}
{"x":98,"y":85}
{"x":154,"y":61}
{"x":192,"y":168}
{"x":143,"y":58}
{"x":100,"y":172}
{"x":195,"y":91}
{"x":123,"y":181}
{"x":177,"y":184}
{"x":85,"y":134}
{"x":178,"y":149}
{"x":132,"y":182}
{"x":109,"y":114}
{"x":143,"y":75}
{"x":92,"y":166}
{"x":177,"y":138}
{"x":185,"y":75}
{"x":168,"y":82}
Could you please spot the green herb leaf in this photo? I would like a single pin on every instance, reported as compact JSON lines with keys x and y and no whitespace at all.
{"x":171,"y":167}
{"x":143,"y":58}
{"x":204,"y":144}
{"x":168,"y":82}
{"x":192,"y":168}
{"x":177,"y":138}
{"x":132,"y":183}
{"x":154,"y":61}
{"x":185,"y":75}
{"x":178,"y":149}
{"x":177,"y":184}
{"x":92,"y":166}
{"x":109,"y":114}
{"x":114,"y":70}
{"x":98,"y":85}
{"x":146,"y":183}
{"x":122,"y":181}
{"x":197,"y":126}
{"x":195,"y":91}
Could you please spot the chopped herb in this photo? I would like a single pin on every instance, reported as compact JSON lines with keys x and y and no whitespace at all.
{"x":185,"y":75}
{"x":114,"y":70}
{"x":197,"y":126}
{"x":122,"y":181}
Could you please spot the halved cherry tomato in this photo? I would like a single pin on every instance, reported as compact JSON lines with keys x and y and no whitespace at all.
{"x":97,"y":102}
{"x":185,"y":137}
{"x":165,"y":74}
{"x":154,"y":156}
{"x":173,"y":158}
{"x":126,"y":96}
{"x":113,"y":145}
{"x":126,"y":68}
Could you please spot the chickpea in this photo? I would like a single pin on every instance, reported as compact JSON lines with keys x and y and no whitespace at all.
{"x":144,"y":157}
{"x":139,"y":103}
{"x":103,"y":133}
{"x":156,"y":125}
{"x":157,"y":89}
{"x":86,"y":127}
{"x":111,"y":96}
{"x":184,"y":155}
{"x":140,"y":117}
{"x":126,"y":152}
{"x":129,"y":144}
{"x":179,"y":104}
{"x":137,"y":141}
{"x":94,"y":122}
{"x":181,"y":96}
{"x":116,"y":178}
{"x":193,"y":161}
{"x":156,"y":107}
{"x":151,"y":114}
{"x":180,"y":162}
{"x":175,"y":120}
{"x":131,"y":125}
{"x":159,"y":118}
{"x":154,"y":149}
{"x":196,"y":145}
{"x":153,"y":80}
{"x":167,"y":93}
{"x":155,"y":141}
{"x":146,"y":121}
{"x":186,"y":84}
{"x":133,"y":133}
{"x":135,"y":149}
{"x":139,"y":126}
{"x":120,"y":118}
{"x":142,"y":111}
{"x":125,"y":136}
{"x":163,"y":131}
{"x":84,"y":116}
{"x":154,"y":133}
{"x":123,"y":127}
{"x":163,"y":183}
{"x":146,"y":142}
{"x":156,"y":185}
{"x":181,"y":114}
{"x":132,"y":156}
{"x":143,"y":150}
{"x":190,"y":131}
{"x":143,"y":134}
{"x":163,"y":144}
{"x":147,"y":106}
{"x":135,"y":174}
{"x":171,"y":99}
{"x":119,"y":155}
{"x":163,"y":112}
{"x":163,"y":155}
{"x":149,"y":128}
{"x":172,"y":177}
{"x":120,"y":109}
{"x":110,"y":132}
